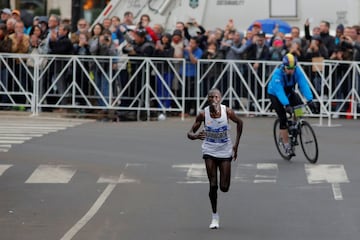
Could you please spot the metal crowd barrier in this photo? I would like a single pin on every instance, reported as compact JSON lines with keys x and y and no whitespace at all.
{"x":147,"y":85}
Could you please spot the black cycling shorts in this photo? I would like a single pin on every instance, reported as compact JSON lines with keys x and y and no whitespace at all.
{"x":294,"y":100}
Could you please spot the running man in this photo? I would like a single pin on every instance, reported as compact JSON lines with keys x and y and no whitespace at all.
{"x":217,"y":148}
{"x":281,"y":90}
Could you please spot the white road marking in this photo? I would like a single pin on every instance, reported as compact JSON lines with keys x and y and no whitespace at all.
{"x":49,"y":128}
{"x":21,"y":134}
{"x":3,"y":138}
{"x":135,"y":165}
{"x":195,"y":173}
{"x":17,"y":130}
{"x":52,"y":174}
{"x":327,"y":173}
{"x":4,"y":167}
{"x":11,"y":141}
{"x":4,"y":147}
{"x":257,"y":173}
{"x":114,"y":179}
{"x":337,"y":191}
{"x":192,"y":182}
{"x":97,"y":205}
{"x":90,"y":214}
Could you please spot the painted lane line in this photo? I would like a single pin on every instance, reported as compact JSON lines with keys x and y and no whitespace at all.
{"x":5,"y":145}
{"x":22,"y":126}
{"x":195,"y":173}
{"x":192,"y":182}
{"x":95,"y":207}
{"x":25,"y":131}
{"x":20,"y":135}
{"x":14,"y":138}
{"x":11,"y":141}
{"x":135,"y":165}
{"x":4,"y":167}
{"x":337,"y":191}
{"x":257,"y":173}
{"x":115,"y":179}
{"x":52,"y":174}
{"x":90,"y":214}
{"x":328,"y":173}
{"x":264,"y":181}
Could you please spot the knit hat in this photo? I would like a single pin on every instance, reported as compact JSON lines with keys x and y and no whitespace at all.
{"x":141,"y":32}
{"x":242,"y":35}
{"x":257,"y":24}
{"x":6,"y":10}
{"x":177,"y":32}
{"x":340,"y":28}
{"x":17,"y":12}
{"x":278,"y":43}
{"x":261,"y":34}
{"x":316,"y":37}
{"x":43,"y":19}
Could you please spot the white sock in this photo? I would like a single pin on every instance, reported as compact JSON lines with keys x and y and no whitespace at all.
{"x":215,"y":215}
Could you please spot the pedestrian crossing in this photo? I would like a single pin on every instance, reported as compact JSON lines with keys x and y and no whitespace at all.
{"x":19,"y":129}
{"x":260,"y":173}
{"x":190,"y":173}
{"x":265,"y":173}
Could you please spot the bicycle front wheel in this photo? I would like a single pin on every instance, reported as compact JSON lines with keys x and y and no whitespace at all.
{"x":308,"y":142}
{"x":278,"y":141}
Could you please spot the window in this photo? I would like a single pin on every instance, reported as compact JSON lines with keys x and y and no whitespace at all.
{"x":283,"y":8}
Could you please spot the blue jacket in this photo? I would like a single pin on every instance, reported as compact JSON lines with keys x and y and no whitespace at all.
{"x":282,"y":85}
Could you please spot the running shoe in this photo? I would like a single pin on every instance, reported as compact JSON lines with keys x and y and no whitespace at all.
{"x":214,"y":223}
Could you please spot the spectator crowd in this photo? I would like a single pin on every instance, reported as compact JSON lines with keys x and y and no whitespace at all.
{"x":125,"y":37}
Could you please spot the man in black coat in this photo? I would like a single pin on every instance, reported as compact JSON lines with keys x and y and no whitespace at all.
{"x":60,"y":44}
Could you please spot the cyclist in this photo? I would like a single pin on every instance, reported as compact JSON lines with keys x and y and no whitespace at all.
{"x":281,"y":90}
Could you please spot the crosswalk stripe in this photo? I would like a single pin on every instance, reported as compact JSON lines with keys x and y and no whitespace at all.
{"x":11,"y":141}
{"x":4,"y":167}
{"x":20,"y":135}
{"x":115,"y":179}
{"x":333,"y":174}
{"x":17,"y":130}
{"x":14,"y":138}
{"x":52,"y":174}
{"x":35,"y":127}
{"x":26,"y":132}
{"x":5,"y":145}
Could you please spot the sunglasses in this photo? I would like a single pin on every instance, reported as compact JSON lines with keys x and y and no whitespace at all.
{"x":290,"y":68}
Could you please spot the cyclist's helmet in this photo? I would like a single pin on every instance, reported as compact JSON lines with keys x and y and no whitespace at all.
{"x":289,"y":61}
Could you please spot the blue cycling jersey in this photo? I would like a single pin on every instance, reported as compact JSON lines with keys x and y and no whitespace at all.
{"x":282,"y":85}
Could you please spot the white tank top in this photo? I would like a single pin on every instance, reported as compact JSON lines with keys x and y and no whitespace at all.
{"x":217,"y":142}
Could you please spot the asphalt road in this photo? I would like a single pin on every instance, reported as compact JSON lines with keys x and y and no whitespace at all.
{"x":145,"y":180}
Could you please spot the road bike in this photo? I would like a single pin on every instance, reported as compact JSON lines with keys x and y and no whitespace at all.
{"x":301,"y":131}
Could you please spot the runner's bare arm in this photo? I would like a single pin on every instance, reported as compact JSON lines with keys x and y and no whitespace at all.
{"x":192,"y":134}
{"x":239,"y":126}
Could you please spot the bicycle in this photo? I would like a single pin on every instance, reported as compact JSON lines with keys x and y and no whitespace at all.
{"x":300,"y":129}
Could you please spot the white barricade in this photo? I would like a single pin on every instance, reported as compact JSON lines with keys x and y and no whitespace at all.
{"x":40,"y":82}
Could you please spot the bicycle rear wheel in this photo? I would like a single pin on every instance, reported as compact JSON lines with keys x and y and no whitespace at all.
{"x":308,"y":142}
{"x":278,"y":141}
